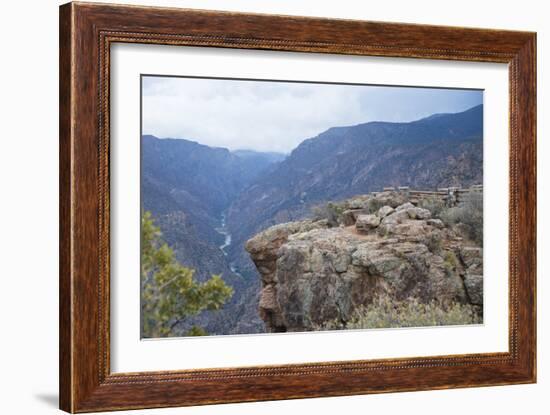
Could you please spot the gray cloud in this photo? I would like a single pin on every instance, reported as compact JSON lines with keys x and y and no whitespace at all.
{"x":277,"y":116}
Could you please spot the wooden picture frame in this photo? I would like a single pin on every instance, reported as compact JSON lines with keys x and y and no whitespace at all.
{"x":86,"y":33}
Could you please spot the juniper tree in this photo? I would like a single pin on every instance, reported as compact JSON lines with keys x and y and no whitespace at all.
{"x":169,"y":292}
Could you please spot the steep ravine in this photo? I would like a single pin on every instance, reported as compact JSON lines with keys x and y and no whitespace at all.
{"x":224,"y":247}
{"x":210,"y":201}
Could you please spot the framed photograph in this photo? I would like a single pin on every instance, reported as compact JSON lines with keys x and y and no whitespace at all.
{"x":259,"y":207}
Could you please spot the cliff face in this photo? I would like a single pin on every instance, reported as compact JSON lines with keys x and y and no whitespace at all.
{"x":322,"y":270}
{"x":440,"y":151}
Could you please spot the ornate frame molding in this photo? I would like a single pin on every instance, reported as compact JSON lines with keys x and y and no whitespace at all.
{"x":86,"y":33}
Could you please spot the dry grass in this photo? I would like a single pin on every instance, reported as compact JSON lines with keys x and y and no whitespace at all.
{"x":387,"y":313}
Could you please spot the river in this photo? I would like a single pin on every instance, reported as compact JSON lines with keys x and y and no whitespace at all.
{"x":222,"y":230}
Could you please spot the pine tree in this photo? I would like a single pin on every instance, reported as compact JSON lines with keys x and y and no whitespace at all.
{"x":169,"y":293}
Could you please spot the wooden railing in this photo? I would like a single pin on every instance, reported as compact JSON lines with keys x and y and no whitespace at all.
{"x":451,"y":195}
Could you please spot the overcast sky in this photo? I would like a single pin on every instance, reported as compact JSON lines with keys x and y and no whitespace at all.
{"x":277,"y":116}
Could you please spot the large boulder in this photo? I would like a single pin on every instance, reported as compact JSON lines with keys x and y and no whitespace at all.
{"x":389,"y":198}
{"x":474,"y":288}
{"x":384,"y":211}
{"x":399,"y":216}
{"x":349,"y":216}
{"x":365,"y":223}
{"x":438,"y":223}
{"x":358,"y":202}
{"x":418,"y":213}
{"x":312,"y":274}
{"x":404,"y":206}
{"x":264,"y":246}
{"x":472,"y":257}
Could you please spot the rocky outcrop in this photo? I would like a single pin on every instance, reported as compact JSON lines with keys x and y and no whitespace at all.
{"x":264,"y":250}
{"x":312,"y":273}
{"x":341,"y":162}
{"x":367,"y":222}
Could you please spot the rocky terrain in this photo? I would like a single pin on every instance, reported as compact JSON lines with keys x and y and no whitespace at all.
{"x":209,"y":201}
{"x":377,"y":245}
{"x":438,"y":151}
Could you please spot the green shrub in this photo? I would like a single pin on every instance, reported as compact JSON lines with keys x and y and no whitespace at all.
{"x":450,"y":262}
{"x":450,"y":216}
{"x":197,"y":331}
{"x":434,"y":204}
{"x":387,"y":313}
{"x":433,"y":242}
{"x":330,"y":211}
{"x":374,"y":204}
{"x":169,"y":291}
{"x":318,"y":212}
{"x":470,"y":213}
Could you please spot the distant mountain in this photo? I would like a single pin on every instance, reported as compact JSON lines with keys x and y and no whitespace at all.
{"x":194,"y":173}
{"x":260,"y":157}
{"x":440,"y":150}
{"x":191,"y":187}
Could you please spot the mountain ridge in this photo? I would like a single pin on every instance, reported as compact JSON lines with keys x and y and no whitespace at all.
{"x":189,"y":186}
{"x":343,"y":161}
